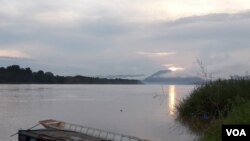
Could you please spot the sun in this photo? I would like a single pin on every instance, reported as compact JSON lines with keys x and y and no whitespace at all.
{"x":175,"y":68}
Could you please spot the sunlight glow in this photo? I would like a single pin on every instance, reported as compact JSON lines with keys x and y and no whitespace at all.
{"x":175,"y":68}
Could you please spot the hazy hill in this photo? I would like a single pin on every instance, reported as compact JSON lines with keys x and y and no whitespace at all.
{"x":170,"y":77}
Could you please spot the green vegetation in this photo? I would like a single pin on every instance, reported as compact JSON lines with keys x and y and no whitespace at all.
{"x":16,"y":75}
{"x":215,"y":103}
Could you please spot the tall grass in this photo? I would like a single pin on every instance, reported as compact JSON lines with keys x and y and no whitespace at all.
{"x":213,"y":103}
{"x":240,"y":114}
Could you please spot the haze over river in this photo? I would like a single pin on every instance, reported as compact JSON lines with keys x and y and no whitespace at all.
{"x":145,"y":111}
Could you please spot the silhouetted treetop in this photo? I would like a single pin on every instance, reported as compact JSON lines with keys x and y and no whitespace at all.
{"x":14,"y":74}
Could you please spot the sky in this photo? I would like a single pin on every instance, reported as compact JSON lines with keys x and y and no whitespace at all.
{"x":134,"y":38}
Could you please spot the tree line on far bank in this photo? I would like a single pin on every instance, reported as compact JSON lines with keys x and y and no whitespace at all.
{"x":15,"y":75}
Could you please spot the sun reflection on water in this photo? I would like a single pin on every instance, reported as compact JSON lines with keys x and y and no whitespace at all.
{"x":171,"y":99}
{"x":168,"y":98}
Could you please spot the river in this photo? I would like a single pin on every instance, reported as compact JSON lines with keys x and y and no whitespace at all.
{"x":145,"y":111}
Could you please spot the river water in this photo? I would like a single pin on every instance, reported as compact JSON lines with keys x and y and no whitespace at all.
{"x":145,"y":111}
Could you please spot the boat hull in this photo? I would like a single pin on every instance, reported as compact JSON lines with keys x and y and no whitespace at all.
{"x":106,"y":135}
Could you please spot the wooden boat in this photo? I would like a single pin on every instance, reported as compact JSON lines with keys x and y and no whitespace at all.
{"x":54,"y":135}
{"x":105,"y":135}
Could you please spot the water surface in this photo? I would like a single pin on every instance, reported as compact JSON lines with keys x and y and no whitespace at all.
{"x":146,"y":111}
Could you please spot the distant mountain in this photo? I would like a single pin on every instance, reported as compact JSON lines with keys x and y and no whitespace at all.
{"x":170,"y":77}
{"x":159,"y":73}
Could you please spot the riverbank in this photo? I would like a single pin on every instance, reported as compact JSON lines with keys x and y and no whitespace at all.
{"x":215,"y":103}
{"x":16,"y":75}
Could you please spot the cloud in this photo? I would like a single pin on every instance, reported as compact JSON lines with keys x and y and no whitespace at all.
{"x":12,"y":53}
{"x":168,"y":65}
{"x":56,"y":18}
{"x":131,"y":11}
{"x":103,"y":38}
{"x":208,"y":27}
{"x":155,"y":54}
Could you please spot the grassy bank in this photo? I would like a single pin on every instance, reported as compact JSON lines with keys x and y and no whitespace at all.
{"x":215,"y":103}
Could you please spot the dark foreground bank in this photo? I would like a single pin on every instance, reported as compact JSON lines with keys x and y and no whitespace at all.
{"x":215,"y":103}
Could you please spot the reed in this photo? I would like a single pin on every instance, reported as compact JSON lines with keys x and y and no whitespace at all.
{"x":214,"y":103}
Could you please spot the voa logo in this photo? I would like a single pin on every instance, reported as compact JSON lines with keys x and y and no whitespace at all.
{"x":236,"y":132}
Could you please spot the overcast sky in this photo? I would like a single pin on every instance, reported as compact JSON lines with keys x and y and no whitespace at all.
{"x":126,"y":37}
